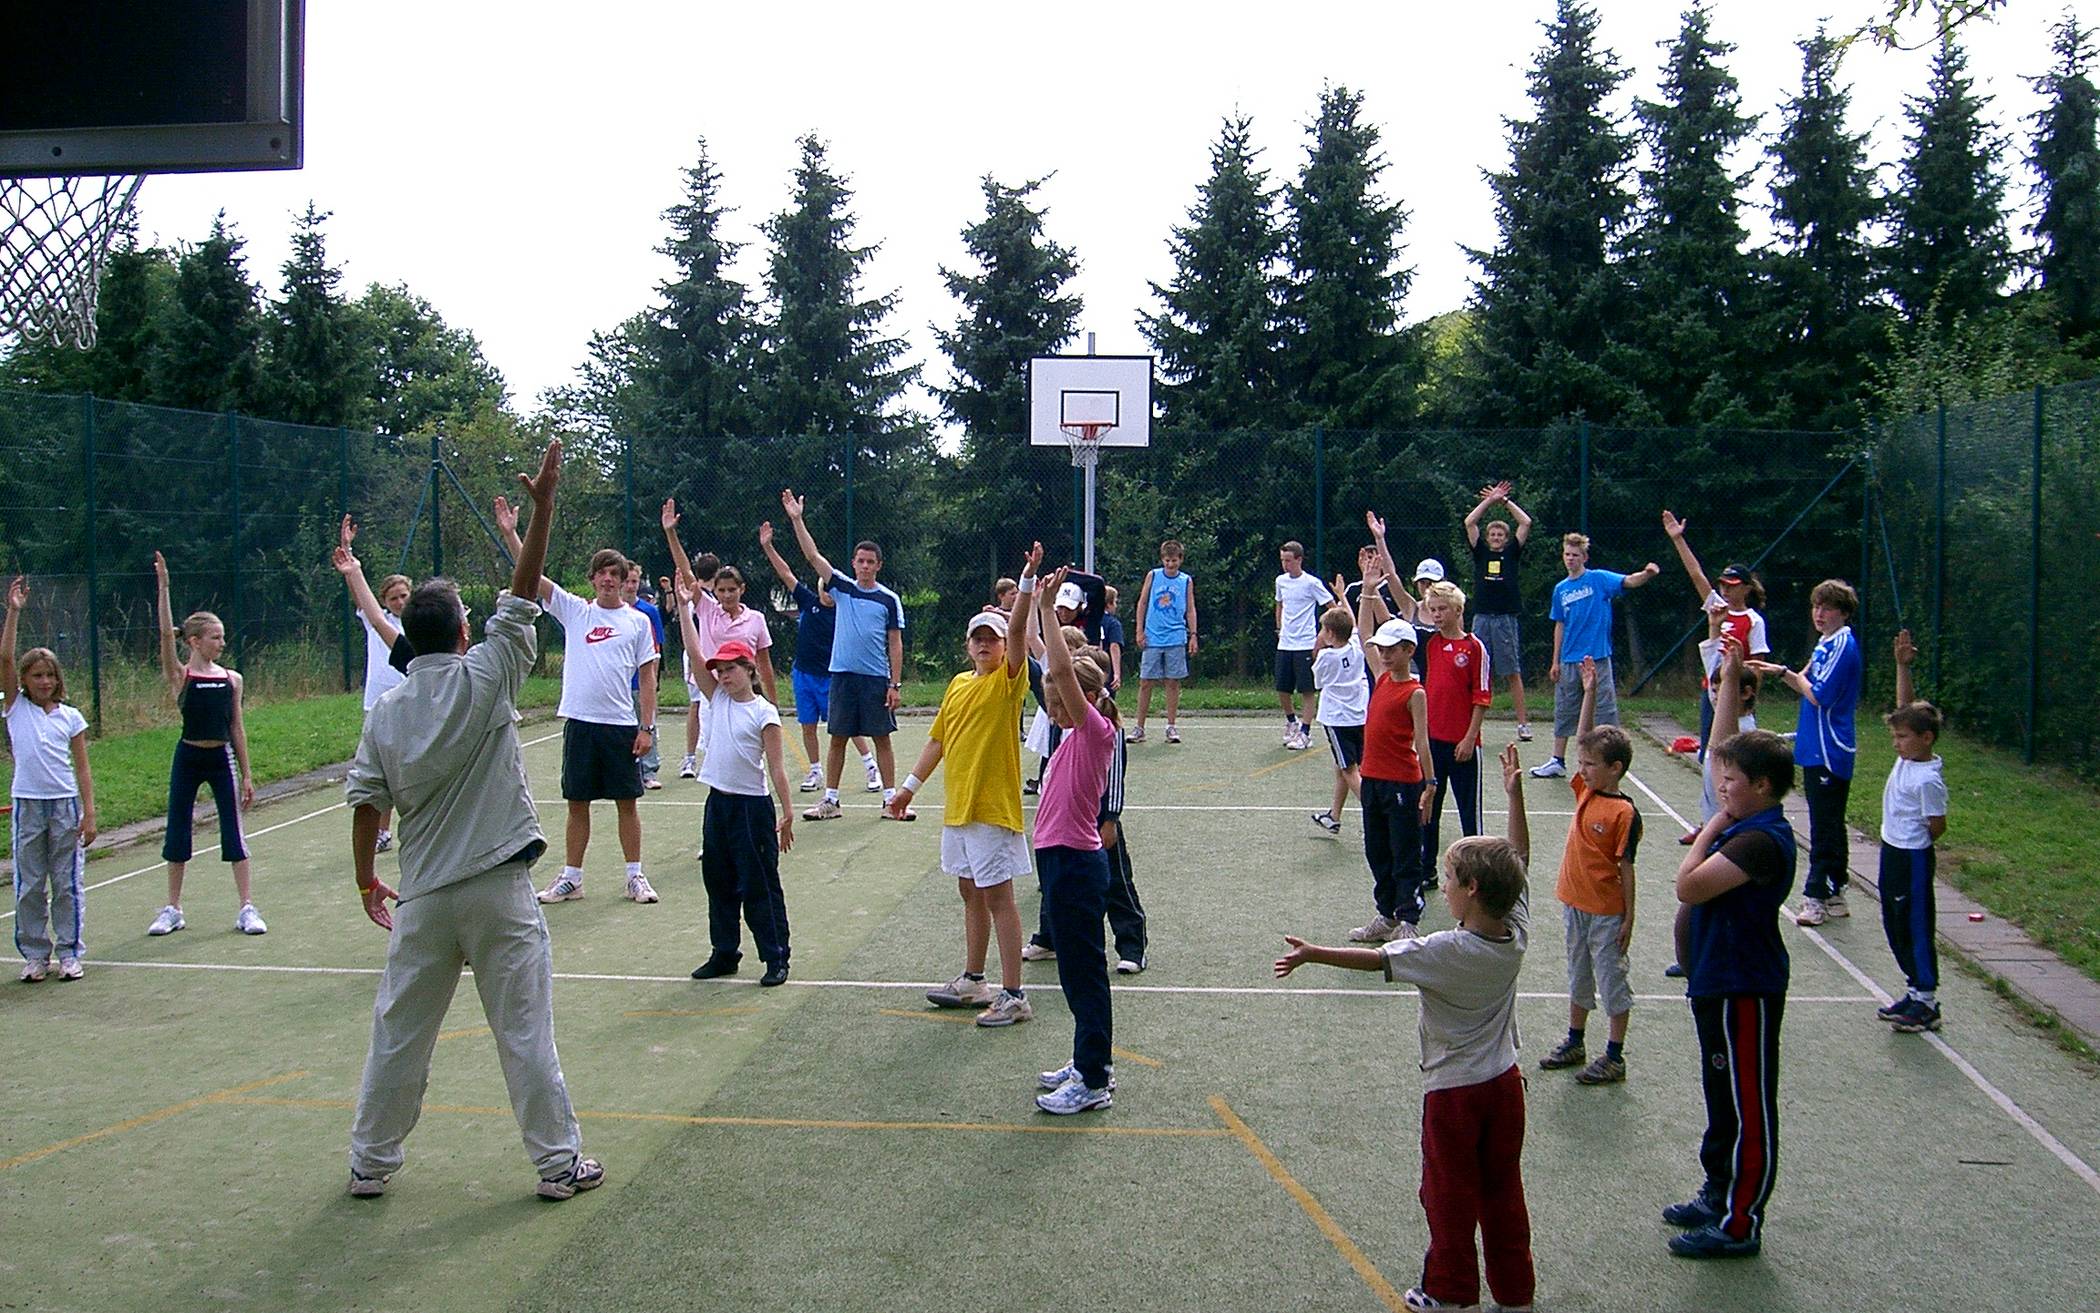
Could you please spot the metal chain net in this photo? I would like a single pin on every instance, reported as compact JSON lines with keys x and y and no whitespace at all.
{"x":54,"y":235}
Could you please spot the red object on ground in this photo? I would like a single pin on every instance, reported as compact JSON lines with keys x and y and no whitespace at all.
{"x":1975,"y":916}
{"x":1684,"y":743}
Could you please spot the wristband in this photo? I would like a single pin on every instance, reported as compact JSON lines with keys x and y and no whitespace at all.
{"x":912,"y":784}
{"x":1026,"y":583}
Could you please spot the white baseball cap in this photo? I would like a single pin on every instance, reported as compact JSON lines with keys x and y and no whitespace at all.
{"x":1072,"y":597}
{"x":1393,"y":633}
{"x":992,"y":620}
{"x":1431,"y":569}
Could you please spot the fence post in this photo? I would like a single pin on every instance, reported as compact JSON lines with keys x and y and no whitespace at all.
{"x":349,"y":611}
{"x":1078,"y":514}
{"x":1319,"y":499}
{"x":94,"y":613}
{"x":437,"y":523}
{"x":627,"y":496}
{"x":1866,"y":542}
{"x":1582,"y":475}
{"x":2034,"y":587}
{"x":1939,"y":553}
{"x":233,"y":458}
{"x":851,"y":443}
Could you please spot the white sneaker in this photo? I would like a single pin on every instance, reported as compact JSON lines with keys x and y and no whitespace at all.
{"x":563,"y":890}
{"x":386,"y":840}
{"x":1327,"y":823}
{"x":652,"y":783}
{"x":1812,"y":912}
{"x":1290,"y":737}
{"x":1552,"y":768}
{"x":962,"y":992}
{"x":826,"y":809}
{"x":1136,"y":735}
{"x":1173,"y":734}
{"x":638,"y":889}
{"x":874,"y":778}
{"x":1005,"y":1010}
{"x":32,"y":972}
{"x":1129,"y":966}
{"x":1834,"y":907}
{"x":1074,"y":1096}
{"x":168,"y":922}
{"x":1523,"y":733}
{"x":689,"y":769}
{"x":1034,"y":952}
{"x":250,"y":921}
{"x":1404,"y":930}
{"x":1050,"y":1080}
{"x":69,"y":968}
{"x":1374,"y":931}
{"x":810,"y":782}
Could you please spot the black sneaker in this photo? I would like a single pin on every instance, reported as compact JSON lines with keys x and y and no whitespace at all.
{"x":776,"y":974}
{"x":1699,"y":1210}
{"x":1712,"y":1242}
{"x":1893,"y":1010}
{"x":1674,"y":971}
{"x":1327,"y":822}
{"x":1918,"y":1017}
{"x":716,"y":966}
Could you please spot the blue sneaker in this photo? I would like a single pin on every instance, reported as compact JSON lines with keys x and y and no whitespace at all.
{"x":1712,"y":1242}
{"x":1050,"y":1080}
{"x":1702,"y":1209}
{"x":1073,"y":1096}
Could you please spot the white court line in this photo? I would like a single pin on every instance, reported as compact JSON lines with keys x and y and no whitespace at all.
{"x":1265,"y":990}
{"x":1029,"y":806}
{"x":256,"y":834}
{"x":2020,"y":1116}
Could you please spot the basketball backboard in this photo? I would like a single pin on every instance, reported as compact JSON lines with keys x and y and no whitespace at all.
{"x":151,"y":86}
{"x":1068,"y":392}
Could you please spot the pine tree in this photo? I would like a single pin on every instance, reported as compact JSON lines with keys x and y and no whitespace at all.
{"x":702,"y":338}
{"x":1689,"y":279}
{"x":206,"y":355}
{"x":830,"y":369}
{"x":1547,"y":292}
{"x":316,"y":366}
{"x":1216,"y":331}
{"x":1822,"y":323}
{"x":2067,"y":167}
{"x":1948,"y":254}
{"x":1343,"y":359}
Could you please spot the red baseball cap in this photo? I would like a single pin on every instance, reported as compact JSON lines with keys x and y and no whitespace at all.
{"x":736,"y":649}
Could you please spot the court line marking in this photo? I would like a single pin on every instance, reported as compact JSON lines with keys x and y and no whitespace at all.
{"x":268,"y":829}
{"x":1266,"y":991}
{"x":781,"y":1123}
{"x":2020,"y":1116}
{"x":228,"y":1095}
{"x":1117,"y":1049}
{"x":1321,"y":1218}
{"x":464,"y":1033}
{"x":693,"y":1012}
{"x":1291,"y":760}
{"x":1305,"y":809}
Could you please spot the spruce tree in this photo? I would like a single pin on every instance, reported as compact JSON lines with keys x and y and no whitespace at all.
{"x":702,"y":338}
{"x":2066,"y":162}
{"x":1822,"y":321}
{"x":1216,"y":330}
{"x":1948,"y":253}
{"x":206,"y":353}
{"x":1548,"y":293}
{"x":1343,"y":359}
{"x":1689,"y":278}
{"x":316,"y":363}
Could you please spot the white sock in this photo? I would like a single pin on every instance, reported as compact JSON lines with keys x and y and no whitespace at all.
{"x":830,"y":795}
{"x":867,"y":760}
{"x":633,"y":869}
{"x":888,"y":795}
{"x":572,"y":873}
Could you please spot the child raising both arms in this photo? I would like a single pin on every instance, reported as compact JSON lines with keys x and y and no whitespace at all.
{"x":214,"y":744}
{"x":54,"y":802}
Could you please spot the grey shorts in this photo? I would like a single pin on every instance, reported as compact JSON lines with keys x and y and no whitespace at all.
{"x":1567,"y":697}
{"x":1595,"y":963}
{"x":1499,"y":634}
{"x":1164,"y":662}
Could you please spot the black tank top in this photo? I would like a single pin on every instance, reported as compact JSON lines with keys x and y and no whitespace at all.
{"x":207,"y":707}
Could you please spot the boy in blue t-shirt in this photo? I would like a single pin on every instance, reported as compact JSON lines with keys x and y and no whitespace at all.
{"x":1582,"y":615}
{"x":815,"y":623}
{"x":1826,"y":743}
{"x":1166,"y":636}
{"x":1730,"y":887}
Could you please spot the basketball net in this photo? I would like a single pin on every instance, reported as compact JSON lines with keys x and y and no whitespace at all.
{"x":54,"y":237}
{"x":1085,"y":442}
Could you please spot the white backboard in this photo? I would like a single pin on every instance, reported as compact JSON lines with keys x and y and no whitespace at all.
{"x":1072,"y":390}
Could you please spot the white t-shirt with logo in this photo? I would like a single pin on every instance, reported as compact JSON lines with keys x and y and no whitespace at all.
{"x":1916,"y":792}
{"x":1345,"y":695}
{"x":1301,"y":599}
{"x":602,"y":649}
{"x":736,"y":746}
{"x":380,"y":674}
{"x":43,"y":747}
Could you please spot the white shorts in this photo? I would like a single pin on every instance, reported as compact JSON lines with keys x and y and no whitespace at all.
{"x":985,"y":855}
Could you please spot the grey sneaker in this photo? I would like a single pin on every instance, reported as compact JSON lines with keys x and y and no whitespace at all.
{"x":1567,"y":1053}
{"x":1604,"y":1069}
{"x":1403,"y":930}
{"x":1173,"y":734}
{"x":1523,"y":733}
{"x":1135,"y":736}
{"x":32,"y":972}
{"x":367,"y":1187}
{"x":250,"y":921}
{"x":1374,"y":931}
{"x":587,"y":1174}
{"x":826,"y":809}
{"x":1812,"y":912}
{"x":563,"y":890}
{"x":69,"y":968}
{"x":1050,"y":1080}
{"x":1005,"y":1010}
{"x":1834,"y":907}
{"x":167,"y":922}
{"x":962,"y":992}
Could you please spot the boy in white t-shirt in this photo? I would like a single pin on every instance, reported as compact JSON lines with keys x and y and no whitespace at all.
{"x":1345,"y":702}
{"x":1299,"y":597}
{"x":1913,"y":817}
{"x":605,"y":643}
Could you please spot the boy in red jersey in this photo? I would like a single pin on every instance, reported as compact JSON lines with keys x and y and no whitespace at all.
{"x":1456,"y":681}
{"x":1396,"y":749}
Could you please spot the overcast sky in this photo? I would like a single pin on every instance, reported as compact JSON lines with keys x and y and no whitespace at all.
{"x":512,"y":163}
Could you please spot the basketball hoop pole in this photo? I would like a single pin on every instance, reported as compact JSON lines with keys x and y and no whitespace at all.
{"x":1086,"y":455}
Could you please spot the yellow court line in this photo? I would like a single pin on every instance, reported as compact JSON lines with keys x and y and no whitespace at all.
{"x":786,"y":1123}
{"x":965,"y":1020}
{"x":1279,"y":765}
{"x":694,"y":1012}
{"x":1330,"y":1228}
{"x":147,"y":1119}
{"x":463,"y":1034}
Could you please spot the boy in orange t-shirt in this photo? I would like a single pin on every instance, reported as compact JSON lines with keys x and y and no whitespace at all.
{"x":1596,"y":889}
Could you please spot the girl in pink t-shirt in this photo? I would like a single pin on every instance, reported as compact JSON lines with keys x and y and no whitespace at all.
{"x":1072,"y":867}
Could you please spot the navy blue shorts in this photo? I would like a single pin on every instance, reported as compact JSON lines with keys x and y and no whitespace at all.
{"x":860,"y":705}
{"x":598,"y":762}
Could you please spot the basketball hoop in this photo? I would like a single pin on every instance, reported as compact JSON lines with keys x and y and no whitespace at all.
{"x":54,"y":237}
{"x":1085,"y":442}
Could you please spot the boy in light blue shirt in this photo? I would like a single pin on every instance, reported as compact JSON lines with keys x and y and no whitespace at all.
{"x":1582,"y":616}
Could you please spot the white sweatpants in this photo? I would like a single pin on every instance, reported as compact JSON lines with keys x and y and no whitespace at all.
{"x":494,"y":921}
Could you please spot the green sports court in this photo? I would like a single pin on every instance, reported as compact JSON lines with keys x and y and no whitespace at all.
{"x":176,"y":1122}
